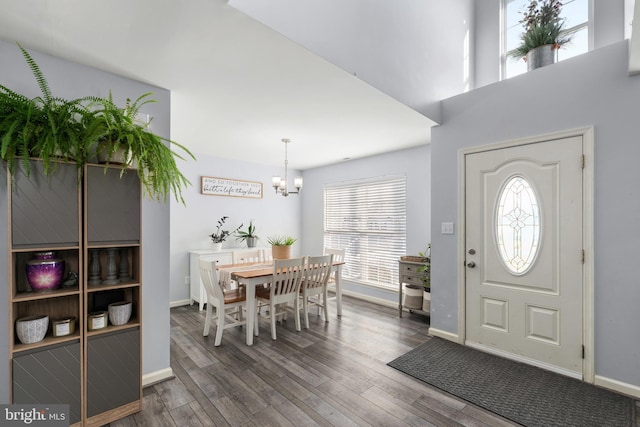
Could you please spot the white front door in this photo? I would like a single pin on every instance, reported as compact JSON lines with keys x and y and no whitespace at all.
{"x":524,"y":253}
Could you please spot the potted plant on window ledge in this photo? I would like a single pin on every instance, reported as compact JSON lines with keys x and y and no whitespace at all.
{"x":543,"y":34}
{"x":281,"y":246}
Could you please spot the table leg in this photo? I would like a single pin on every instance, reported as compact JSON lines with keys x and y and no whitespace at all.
{"x":250,"y":289}
{"x":339,"y":289}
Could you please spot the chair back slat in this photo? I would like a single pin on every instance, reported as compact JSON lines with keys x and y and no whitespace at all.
{"x":317,"y":271}
{"x":251,"y":255}
{"x":287,"y":275}
{"x":338,"y":254}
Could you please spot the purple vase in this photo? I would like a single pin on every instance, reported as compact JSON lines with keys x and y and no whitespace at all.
{"x":45,"y":271}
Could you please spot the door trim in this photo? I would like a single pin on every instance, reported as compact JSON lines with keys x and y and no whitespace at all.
{"x":588,"y":326}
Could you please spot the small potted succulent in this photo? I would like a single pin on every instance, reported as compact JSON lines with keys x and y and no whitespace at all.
{"x":220,"y":235}
{"x":248,"y":236}
{"x":281,"y":246}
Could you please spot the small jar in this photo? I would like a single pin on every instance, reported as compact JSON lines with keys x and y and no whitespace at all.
{"x":63,"y":326}
{"x":97,"y":320}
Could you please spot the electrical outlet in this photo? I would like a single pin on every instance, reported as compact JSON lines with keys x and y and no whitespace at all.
{"x":187,"y":280}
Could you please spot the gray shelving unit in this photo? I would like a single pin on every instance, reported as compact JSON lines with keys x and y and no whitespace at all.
{"x":73,"y":212}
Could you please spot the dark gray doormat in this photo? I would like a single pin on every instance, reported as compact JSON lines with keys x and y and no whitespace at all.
{"x":525,"y":394}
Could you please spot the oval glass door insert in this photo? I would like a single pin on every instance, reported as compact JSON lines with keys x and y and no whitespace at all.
{"x":518,"y":225}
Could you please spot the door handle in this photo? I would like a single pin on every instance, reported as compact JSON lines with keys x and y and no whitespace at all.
{"x":471,"y":264}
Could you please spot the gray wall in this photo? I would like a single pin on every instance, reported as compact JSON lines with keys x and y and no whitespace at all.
{"x":592,"y":89}
{"x":414,"y":163}
{"x":71,"y":80}
{"x":416,"y":51}
{"x":191,"y":224}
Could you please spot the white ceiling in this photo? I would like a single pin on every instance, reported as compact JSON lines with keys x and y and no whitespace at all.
{"x":237,"y":86}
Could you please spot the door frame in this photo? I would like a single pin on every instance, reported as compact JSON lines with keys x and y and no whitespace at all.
{"x":588,"y":325}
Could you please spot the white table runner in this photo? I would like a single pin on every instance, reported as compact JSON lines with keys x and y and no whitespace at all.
{"x":224,"y":274}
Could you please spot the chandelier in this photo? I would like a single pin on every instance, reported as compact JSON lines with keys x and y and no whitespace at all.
{"x":279,"y":184}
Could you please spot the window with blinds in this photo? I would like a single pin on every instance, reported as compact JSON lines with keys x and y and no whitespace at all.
{"x":369,"y":220}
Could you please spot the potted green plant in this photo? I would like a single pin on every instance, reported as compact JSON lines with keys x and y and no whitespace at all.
{"x":130,"y":144}
{"x":543,"y":33}
{"x":249,"y":235}
{"x":55,"y":129}
{"x":47,"y":127}
{"x":425,"y":271}
{"x":281,"y":246}
{"x":220,"y":235}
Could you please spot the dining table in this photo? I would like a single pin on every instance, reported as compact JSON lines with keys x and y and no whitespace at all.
{"x":256,"y":274}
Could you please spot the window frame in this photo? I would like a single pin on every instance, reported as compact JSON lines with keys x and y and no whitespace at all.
{"x":503,"y":35}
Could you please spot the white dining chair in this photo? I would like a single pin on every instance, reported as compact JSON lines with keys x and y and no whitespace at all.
{"x":338,"y":256}
{"x":283,"y":289}
{"x":228,"y":304}
{"x":313,"y":289}
{"x":250,"y":255}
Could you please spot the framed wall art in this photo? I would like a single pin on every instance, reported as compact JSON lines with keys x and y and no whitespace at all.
{"x":214,"y":186}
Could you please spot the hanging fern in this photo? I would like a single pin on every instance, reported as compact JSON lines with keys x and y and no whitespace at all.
{"x":56,"y":129}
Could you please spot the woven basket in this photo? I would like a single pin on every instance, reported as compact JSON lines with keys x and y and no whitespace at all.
{"x":412,"y":258}
{"x":413,"y":297}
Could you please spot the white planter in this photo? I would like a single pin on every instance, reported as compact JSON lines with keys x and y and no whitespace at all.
{"x":426,"y":301}
{"x":217,"y":247}
{"x":412,"y":297}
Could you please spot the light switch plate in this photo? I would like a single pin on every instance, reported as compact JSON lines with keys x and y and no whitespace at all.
{"x":447,"y":228}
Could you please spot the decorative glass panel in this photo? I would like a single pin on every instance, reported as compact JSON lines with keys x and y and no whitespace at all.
{"x":518,"y":225}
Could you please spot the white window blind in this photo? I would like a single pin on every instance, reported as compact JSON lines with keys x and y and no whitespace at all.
{"x":369,"y":220}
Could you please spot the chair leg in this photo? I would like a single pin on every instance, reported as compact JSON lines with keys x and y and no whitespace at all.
{"x":305,"y":308}
{"x":207,"y":321}
{"x":296,"y":311}
{"x":324,"y":304}
{"x":272,"y":308}
{"x":219,"y":325}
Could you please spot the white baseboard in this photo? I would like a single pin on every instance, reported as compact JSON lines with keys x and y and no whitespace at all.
{"x":449,"y":336}
{"x":157,"y":376}
{"x":368,"y":298}
{"x":179,"y":303}
{"x":618,"y":386}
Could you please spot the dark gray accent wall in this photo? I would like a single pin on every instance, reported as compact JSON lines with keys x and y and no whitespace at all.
{"x":589,"y":90}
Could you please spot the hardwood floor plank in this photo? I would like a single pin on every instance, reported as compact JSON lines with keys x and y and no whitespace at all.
{"x":231,"y":412}
{"x":173,"y":393}
{"x":333,"y":374}
{"x":371,"y":413}
{"x":184,"y":416}
{"x":193,"y":349}
{"x":242,"y":394}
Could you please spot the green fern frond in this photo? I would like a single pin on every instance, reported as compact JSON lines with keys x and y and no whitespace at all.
{"x":37,"y":73}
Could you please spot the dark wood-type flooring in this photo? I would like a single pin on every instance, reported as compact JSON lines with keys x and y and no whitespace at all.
{"x":333,"y":374}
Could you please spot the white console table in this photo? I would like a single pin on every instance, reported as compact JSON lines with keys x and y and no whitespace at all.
{"x":196,"y":288}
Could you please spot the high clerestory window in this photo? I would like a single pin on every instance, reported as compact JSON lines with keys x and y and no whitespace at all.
{"x":577,"y":15}
{"x":369,"y":220}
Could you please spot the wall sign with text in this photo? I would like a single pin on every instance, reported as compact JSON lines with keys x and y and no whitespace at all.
{"x":213,"y":186}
